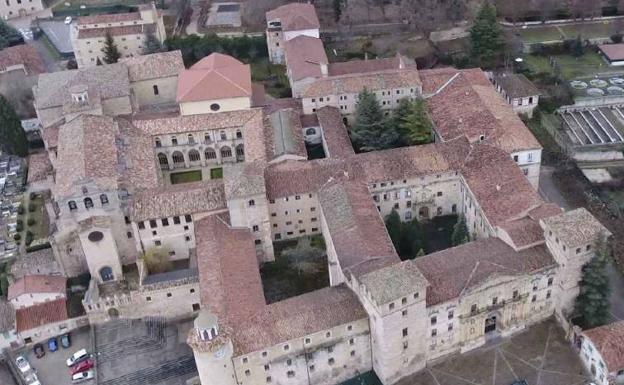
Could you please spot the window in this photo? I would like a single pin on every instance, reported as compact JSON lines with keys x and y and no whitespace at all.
{"x":515,"y":294}
{"x":239,"y":134}
{"x":155,"y":88}
{"x":330,"y":361}
{"x":268,"y":379}
{"x":215,"y":107}
{"x":157,"y":243}
{"x":404,"y":332}
{"x":129,"y":234}
{"x":550,"y":281}
{"x":286,"y":347}
{"x":307,"y":340}
{"x":209,"y":153}
{"x":515,"y":158}
{"x":289,"y":362}
{"x":152,"y":223}
{"x":434,"y":320}
{"x":267,"y":367}
{"x":187,"y":218}
{"x":351,"y":341}
{"x":290,"y":374}
{"x":328,"y":334}
{"x":141,"y":225}
{"x":194,"y":155}
{"x":439,"y":193}
{"x":251,"y":202}
{"x":415,"y":295}
{"x":473,"y":308}
{"x":72,"y":205}
{"x":548,"y":294}
{"x":174,"y":141}
{"x":534,"y":298}
{"x":226,"y":152}
{"x":451,"y":314}
{"x":405,"y":345}
{"x":176,"y":220}
{"x":391,"y":306}
{"x":434,"y":332}
{"x":88,"y":203}
{"x":450,"y":327}
{"x":494,"y":301}
{"x":222,"y":135}
{"x":255,"y":228}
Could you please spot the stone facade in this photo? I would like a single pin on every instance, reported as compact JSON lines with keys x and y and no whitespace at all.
{"x":10,"y":9}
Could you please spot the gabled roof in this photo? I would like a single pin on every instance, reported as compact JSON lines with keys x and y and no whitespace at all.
{"x":42,"y":314}
{"x":295,"y":16}
{"x":31,"y":284}
{"x":25,"y":55}
{"x":217,"y":76}
{"x":576,"y":228}
{"x":304,"y":56}
{"x":609,"y":341}
{"x":156,"y":65}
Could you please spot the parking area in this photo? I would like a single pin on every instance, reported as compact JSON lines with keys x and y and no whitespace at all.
{"x":51,"y":368}
{"x":540,"y":355}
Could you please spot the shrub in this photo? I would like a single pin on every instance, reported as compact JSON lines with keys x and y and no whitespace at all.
{"x":20,"y":210}
{"x":31,"y":221}
{"x":29,"y":238}
{"x":19,"y":226}
{"x":33,"y":196}
{"x":616,"y":38}
{"x":32,"y":207}
{"x":17,"y":237}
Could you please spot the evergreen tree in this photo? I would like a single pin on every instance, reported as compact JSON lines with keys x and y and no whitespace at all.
{"x":369,"y":131}
{"x":415,"y":127}
{"x":413,"y":238}
{"x":394,"y":225}
{"x":399,"y":114}
{"x":576,"y":47}
{"x":486,"y":40}
{"x":152,"y":44}
{"x":460,"y":231}
{"x":337,"y":5}
{"x":12,"y":136}
{"x":7,"y":33}
{"x":592,"y":304}
{"x":111,"y":53}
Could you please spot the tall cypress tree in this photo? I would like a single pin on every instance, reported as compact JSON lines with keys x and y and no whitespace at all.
{"x":415,"y":127}
{"x":12,"y":136}
{"x":486,"y":40}
{"x":393,"y":225}
{"x":370,"y":132}
{"x":592,"y":304}
{"x":110,"y":51}
{"x":460,"y":231}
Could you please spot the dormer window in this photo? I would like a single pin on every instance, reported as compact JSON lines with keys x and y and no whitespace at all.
{"x":72,"y":205}
{"x":174,"y":141}
{"x":222,"y":135}
{"x":88,"y":202}
{"x":191,"y":139}
{"x":239,"y":134}
{"x":104,"y":199}
{"x":158,"y":142}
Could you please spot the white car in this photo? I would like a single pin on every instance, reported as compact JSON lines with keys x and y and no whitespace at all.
{"x":22,"y":364}
{"x":83,"y":376}
{"x":68,"y":20}
{"x":80,"y":355}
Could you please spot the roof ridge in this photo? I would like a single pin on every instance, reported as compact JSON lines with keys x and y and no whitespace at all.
{"x":229,"y":80}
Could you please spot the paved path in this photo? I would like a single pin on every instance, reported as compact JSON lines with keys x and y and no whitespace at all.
{"x":549,"y":191}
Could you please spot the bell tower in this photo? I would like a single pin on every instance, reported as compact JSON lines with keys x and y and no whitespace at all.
{"x":213,"y":351}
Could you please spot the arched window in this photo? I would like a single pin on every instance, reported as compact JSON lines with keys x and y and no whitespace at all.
{"x":194,"y":155}
{"x":215,"y":107}
{"x":178,"y":158}
{"x":162,"y":160}
{"x":454,"y":208}
{"x":439,"y":211}
{"x":174,"y":141}
{"x":158,"y":142}
{"x":252,"y":202}
{"x":209,"y":153}
{"x":226,"y":152}
{"x":239,"y":134}
{"x":191,"y":139}
{"x":240,"y":150}
{"x":72,"y":205}
{"x":88,"y":202}
{"x":310,"y":131}
{"x":106,"y":273}
{"x":104,"y":199}
{"x":207,"y":138}
{"x":223,"y":135}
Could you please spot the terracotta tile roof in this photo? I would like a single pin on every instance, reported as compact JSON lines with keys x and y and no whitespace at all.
{"x":86,"y":150}
{"x":335,"y":135}
{"x":244,"y":179}
{"x":295,"y":16}
{"x":138,"y":167}
{"x":613,"y":52}
{"x":526,"y":231}
{"x":453,"y":271}
{"x":7,"y":316}
{"x":38,"y":315}
{"x":31,"y":284}
{"x":109,"y":18}
{"x":50,"y":135}
{"x":172,"y":123}
{"x":25,"y":55}
{"x":229,"y":278}
{"x":157,"y":65}
{"x":353,"y":84}
{"x":370,"y":65}
{"x":293,"y":177}
{"x":515,"y":85}
{"x":394,"y":282}
{"x":216,"y":76}
{"x":111,"y":81}
{"x":297,"y":317}
{"x":576,"y":228}
{"x":39,"y":167}
{"x":498,"y":184}
{"x":468,"y":105}
{"x":283,"y":135}
{"x":179,"y":199}
{"x":304,"y":56}
{"x":434,"y":79}
{"x":140,"y":29}
{"x":36,"y":262}
{"x":357,"y":230}
{"x":609,"y":342}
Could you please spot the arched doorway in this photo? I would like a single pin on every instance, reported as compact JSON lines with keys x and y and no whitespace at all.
{"x":163,"y":161}
{"x":106,"y":273}
{"x":423,"y":212}
{"x":490,"y":324}
{"x":113,"y":313}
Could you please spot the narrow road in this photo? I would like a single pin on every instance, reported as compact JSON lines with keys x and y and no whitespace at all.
{"x":550,"y":192}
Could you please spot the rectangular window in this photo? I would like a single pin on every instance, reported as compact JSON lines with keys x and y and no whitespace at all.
{"x":404,"y":332}
{"x":176,"y":220}
{"x":187,"y":218}
{"x":434,"y":320}
{"x":141,"y":225}
{"x":152,"y":223}
{"x":165,"y":222}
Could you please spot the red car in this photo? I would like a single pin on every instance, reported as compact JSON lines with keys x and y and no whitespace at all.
{"x":81,"y":366}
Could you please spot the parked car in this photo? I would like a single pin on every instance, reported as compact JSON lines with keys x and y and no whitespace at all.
{"x":32,"y":379}
{"x":83,"y":376}
{"x":65,"y":341}
{"x":81,"y":366}
{"x":52,"y":345}
{"x":68,"y":20}
{"x":39,"y":350}
{"x":77,"y":357}
{"x":22,"y":364}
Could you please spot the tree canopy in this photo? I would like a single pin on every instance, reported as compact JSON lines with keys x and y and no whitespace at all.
{"x":407,"y":237}
{"x":413,"y":122}
{"x":152,"y":44}
{"x":194,"y":47}
{"x":110,"y":50}
{"x":460,"y":231}
{"x":370,"y":131}
{"x":592,"y":304}
{"x":7,"y":34}
{"x":12,"y":136}
{"x":157,"y":261}
{"x":486,"y":40}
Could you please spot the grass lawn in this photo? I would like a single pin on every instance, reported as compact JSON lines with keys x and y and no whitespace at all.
{"x":39,"y":228}
{"x":539,"y":34}
{"x":186,"y":177}
{"x":283,"y":279}
{"x":216,"y":173}
{"x":588,"y":30}
{"x":571,"y":67}
{"x":273,"y":76}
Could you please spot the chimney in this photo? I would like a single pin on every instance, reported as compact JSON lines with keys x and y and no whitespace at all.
{"x":401,"y":61}
{"x":324,"y":71}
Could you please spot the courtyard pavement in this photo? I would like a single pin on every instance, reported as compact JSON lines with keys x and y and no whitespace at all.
{"x":540,"y":355}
